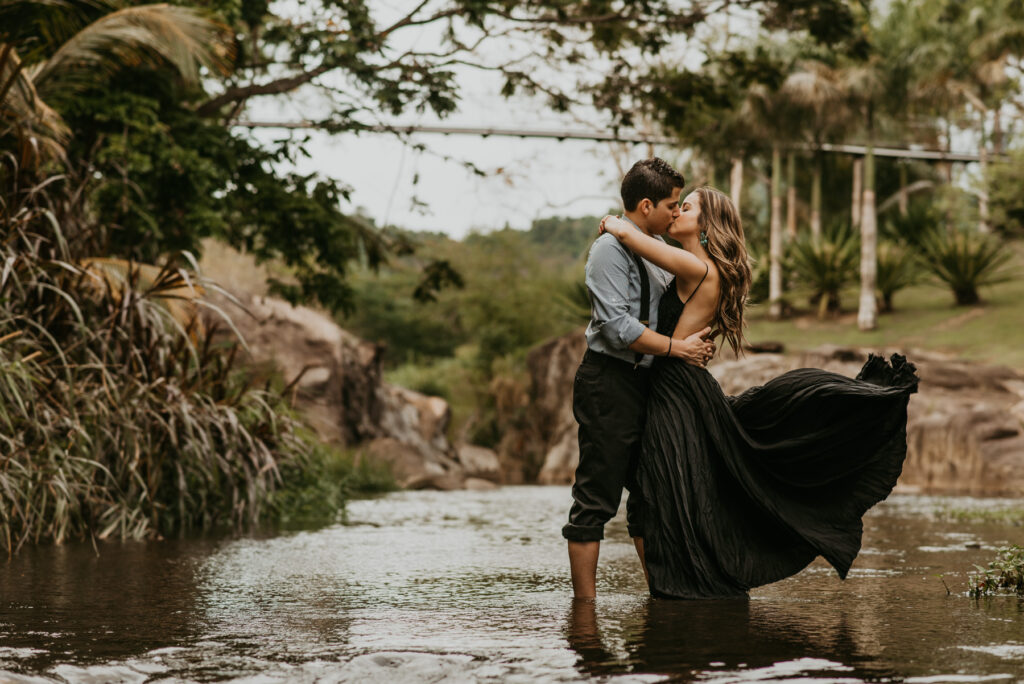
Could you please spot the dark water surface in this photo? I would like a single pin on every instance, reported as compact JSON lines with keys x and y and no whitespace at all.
{"x":472,"y":586}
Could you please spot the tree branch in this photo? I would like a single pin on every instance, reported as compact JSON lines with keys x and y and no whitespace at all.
{"x":408,"y":20}
{"x":281,"y":85}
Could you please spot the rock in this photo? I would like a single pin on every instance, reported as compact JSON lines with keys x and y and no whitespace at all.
{"x":476,"y":484}
{"x":334,"y":379}
{"x":415,"y":419}
{"x":479,"y":462}
{"x":409,"y":467}
{"x":965,"y":431}
{"x":562,"y":457}
{"x":550,"y":437}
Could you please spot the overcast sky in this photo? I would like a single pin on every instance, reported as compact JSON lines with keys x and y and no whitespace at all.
{"x":526,"y":178}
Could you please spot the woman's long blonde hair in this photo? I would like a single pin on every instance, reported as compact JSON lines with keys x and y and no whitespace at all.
{"x":727,"y":248}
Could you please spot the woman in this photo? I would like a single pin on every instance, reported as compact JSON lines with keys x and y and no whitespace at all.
{"x":743,"y":491}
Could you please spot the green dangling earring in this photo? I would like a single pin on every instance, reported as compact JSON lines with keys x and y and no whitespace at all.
{"x":703,"y":239}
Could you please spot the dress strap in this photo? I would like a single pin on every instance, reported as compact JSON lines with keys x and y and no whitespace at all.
{"x":706,"y":269}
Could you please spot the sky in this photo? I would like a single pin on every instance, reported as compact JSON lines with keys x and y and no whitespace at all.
{"x":526,"y":178}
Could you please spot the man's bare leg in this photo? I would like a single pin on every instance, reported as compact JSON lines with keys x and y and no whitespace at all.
{"x":638,"y":542}
{"x":583,"y":567}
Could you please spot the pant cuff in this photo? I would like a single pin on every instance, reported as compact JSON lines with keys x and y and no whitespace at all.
{"x":583,"y":533}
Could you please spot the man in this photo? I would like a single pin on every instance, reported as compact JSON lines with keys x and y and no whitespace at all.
{"x":611,"y":384}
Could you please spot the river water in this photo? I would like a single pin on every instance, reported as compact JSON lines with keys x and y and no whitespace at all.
{"x":472,"y":586}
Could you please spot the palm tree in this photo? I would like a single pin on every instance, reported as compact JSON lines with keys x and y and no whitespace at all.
{"x":34,"y":74}
{"x":736,"y":181}
{"x":877,"y":88}
{"x":816,"y":88}
{"x":768,"y":110}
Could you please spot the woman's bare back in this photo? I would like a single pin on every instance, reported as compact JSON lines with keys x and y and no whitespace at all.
{"x":701,"y":300}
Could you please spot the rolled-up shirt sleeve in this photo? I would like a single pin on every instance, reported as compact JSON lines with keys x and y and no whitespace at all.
{"x":608,"y":278}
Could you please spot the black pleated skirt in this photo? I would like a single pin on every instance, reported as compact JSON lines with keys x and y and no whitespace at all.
{"x":747,"y":490}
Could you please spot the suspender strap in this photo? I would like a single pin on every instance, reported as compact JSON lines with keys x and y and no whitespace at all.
{"x":645,"y":298}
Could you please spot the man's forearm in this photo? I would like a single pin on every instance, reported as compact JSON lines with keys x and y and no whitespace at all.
{"x":650,"y":342}
{"x":694,"y":349}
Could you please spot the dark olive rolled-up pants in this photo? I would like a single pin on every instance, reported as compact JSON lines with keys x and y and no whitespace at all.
{"x":609,"y":399}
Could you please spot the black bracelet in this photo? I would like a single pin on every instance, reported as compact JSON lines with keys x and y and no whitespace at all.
{"x":669,"y":352}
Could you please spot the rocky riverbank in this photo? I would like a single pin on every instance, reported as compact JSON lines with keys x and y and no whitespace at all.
{"x":335,"y":380}
{"x":965,"y":432}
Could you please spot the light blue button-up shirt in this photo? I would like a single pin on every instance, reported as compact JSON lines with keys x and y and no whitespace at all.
{"x":614,"y":285}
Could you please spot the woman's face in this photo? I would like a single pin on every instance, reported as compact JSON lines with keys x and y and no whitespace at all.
{"x":686,"y":224}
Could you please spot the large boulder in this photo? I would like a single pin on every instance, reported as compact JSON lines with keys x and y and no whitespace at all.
{"x":334,"y":379}
{"x":965,"y":432}
{"x":543,"y":447}
{"x":480,"y":462}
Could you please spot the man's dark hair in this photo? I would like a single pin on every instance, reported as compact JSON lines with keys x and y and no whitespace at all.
{"x":651,"y":178}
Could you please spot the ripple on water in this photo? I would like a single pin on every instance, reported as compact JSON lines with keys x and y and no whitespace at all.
{"x":1008,"y":651}
{"x":817,"y":670}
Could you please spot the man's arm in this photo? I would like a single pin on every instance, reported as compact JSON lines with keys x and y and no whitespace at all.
{"x":694,"y":349}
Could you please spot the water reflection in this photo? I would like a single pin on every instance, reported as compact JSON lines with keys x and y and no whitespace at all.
{"x":76,"y":603}
{"x":686,"y":639}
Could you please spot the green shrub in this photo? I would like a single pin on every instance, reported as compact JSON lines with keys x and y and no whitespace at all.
{"x":1006,"y":202}
{"x":920,"y":221}
{"x":316,"y":486}
{"x":964,"y":261}
{"x":897,"y":269}
{"x":572,"y":300}
{"x":826,"y":265}
{"x":1003,"y":575}
{"x":760,"y":265}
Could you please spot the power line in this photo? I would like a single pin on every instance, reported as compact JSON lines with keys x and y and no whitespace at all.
{"x":615,"y":136}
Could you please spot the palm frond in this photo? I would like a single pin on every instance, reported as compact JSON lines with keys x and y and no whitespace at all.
{"x":179,"y":36}
{"x":814,"y":84}
{"x":38,"y":26}
{"x":39,"y":130}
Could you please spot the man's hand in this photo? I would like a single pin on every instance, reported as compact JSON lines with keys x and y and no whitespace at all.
{"x":695,"y":349}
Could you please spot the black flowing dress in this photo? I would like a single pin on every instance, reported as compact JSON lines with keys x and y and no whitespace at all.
{"x":747,"y":490}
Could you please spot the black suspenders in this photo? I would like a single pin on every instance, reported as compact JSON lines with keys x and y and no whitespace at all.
{"x":645,"y":298}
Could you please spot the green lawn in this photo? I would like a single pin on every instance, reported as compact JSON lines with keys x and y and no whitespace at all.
{"x":924,"y":318}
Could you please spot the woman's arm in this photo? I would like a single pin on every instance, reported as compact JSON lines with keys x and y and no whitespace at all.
{"x":674,"y":260}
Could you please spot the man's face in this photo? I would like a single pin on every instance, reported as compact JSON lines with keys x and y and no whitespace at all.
{"x":664,"y":213}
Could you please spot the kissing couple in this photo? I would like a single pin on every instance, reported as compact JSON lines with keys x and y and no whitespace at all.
{"x":725,"y":493}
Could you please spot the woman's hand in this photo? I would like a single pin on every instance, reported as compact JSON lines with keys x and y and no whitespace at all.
{"x":615,"y":226}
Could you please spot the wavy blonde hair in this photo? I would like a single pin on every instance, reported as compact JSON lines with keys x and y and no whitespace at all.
{"x":727,"y":247}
